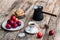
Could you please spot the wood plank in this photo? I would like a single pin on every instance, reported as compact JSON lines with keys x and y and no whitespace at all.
{"x":47,"y":17}
{"x":50,"y":6}
{"x":39,"y":24}
{"x":12,"y":7}
{"x":6,"y":18}
{"x":5,"y":5}
{"x":26,"y":22}
{"x":2,"y":15}
{"x":8,"y":35}
{"x":58,"y":2}
{"x":57,"y":29}
{"x":52,"y":24}
{"x":9,"y":12}
{"x":43,"y":1}
{"x":33,"y":37}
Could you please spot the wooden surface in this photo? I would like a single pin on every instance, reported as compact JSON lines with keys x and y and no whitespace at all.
{"x":8,"y":7}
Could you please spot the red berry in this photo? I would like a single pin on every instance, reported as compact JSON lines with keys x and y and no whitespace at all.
{"x":51,"y":32}
{"x":19,"y":23}
{"x":16,"y":20}
{"x":11,"y":22}
{"x":13,"y":18}
{"x":8,"y":26}
{"x":39,"y":34}
{"x":14,"y":25}
{"x":8,"y":21}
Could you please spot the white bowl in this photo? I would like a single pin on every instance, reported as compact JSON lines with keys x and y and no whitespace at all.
{"x":12,"y":29}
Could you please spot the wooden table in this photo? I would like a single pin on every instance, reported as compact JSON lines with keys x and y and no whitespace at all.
{"x":8,"y":7}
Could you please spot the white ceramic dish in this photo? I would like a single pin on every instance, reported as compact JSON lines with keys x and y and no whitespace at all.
{"x":31,"y":31}
{"x":12,"y":29}
{"x":32,"y":28}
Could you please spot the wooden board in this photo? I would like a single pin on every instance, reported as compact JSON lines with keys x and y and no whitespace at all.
{"x":7,"y":8}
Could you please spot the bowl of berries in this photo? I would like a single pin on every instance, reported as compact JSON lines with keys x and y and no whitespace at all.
{"x":13,"y":24}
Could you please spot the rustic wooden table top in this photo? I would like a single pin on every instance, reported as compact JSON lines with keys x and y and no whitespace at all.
{"x":8,"y":7}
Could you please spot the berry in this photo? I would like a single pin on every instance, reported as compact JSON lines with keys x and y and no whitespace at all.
{"x":8,"y":26}
{"x":16,"y":20}
{"x":51,"y":32}
{"x":8,"y":21}
{"x":19,"y":23}
{"x":13,"y":18}
{"x":14,"y":25}
{"x":39,"y":34}
{"x":11,"y":22}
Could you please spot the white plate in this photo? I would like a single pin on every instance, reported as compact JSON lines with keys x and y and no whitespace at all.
{"x":32,"y":31}
{"x":12,"y":29}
